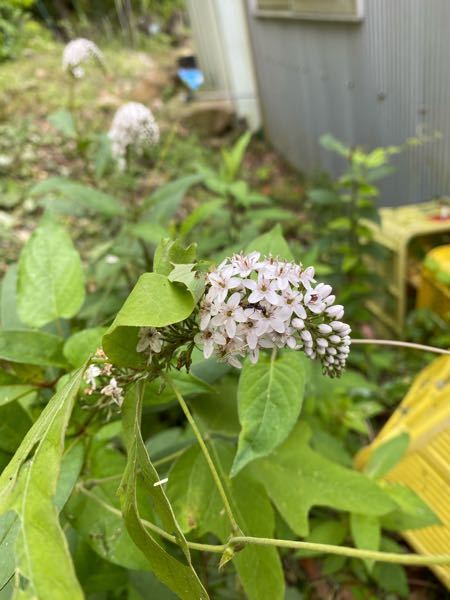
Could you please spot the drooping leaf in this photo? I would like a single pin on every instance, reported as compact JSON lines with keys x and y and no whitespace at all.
{"x":270,"y":397}
{"x":154,"y":302}
{"x":385,"y":457}
{"x":82,"y":344}
{"x":32,"y":348}
{"x":366,"y":533}
{"x":40,"y":538}
{"x":298,"y":478}
{"x":411,"y":512}
{"x":63,"y":121}
{"x":178,"y":576}
{"x":198,"y":507}
{"x":70,"y":193}
{"x":273,"y":243}
{"x":51,"y":282}
{"x":163,"y":204}
{"x":170,"y":252}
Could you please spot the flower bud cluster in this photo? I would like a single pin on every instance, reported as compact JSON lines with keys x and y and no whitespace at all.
{"x":100,"y":378}
{"x":77,"y":52}
{"x":253,"y":303}
{"x":133,"y":126}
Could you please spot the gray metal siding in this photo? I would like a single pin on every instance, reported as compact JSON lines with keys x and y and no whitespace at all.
{"x":375,"y":83}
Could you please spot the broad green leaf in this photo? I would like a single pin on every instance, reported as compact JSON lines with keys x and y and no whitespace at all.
{"x":325,"y":532}
{"x":298,"y":478}
{"x":218,"y":410}
{"x":9,"y":527}
{"x":9,"y":393}
{"x":63,"y":121}
{"x":188,"y":276}
{"x":170,"y":252}
{"x":40,"y":539}
{"x":273,"y":243}
{"x":71,"y":464}
{"x":385,"y":457}
{"x":179,"y":577}
{"x":14,"y":424}
{"x":9,"y":319}
{"x":32,"y":348}
{"x":95,"y":514}
{"x":152,"y":233}
{"x":162,"y":205}
{"x":366,"y":533}
{"x":198,"y":507}
{"x":82,"y":344}
{"x":411,"y":513}
{"x":70,"y":192}
{"x":154,"y":302}
{"x":391,"y":578}
{"x":270,"y":397}
{"x":51,"y":282}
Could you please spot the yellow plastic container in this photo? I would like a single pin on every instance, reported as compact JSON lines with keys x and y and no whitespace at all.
{"x":434,"y":291}
{"x":399,"y":229}
{"x":425,"y":415}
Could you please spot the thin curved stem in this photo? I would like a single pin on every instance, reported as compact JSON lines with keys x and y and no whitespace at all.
{"x":206,"y":454}
{"x":388,"y":557}
{"x":412,"y":345}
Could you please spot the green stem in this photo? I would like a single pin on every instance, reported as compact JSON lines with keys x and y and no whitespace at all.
{"x":206,"y":454}
{"x":387,"y":557}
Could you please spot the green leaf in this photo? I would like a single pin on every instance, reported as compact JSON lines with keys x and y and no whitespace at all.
{"x":270,"y":397}
{"x":9,"y":319}
{"x":153,"y":302}
{"x":298,"y":478}
{"x":188,"y":276}
{"x":201,"y":213}
{"x":12,"y":392}
{"x":51,"y":281}
{"x":325,"y":532}
{"x":40,"y":539}
{"x":163,"y":204}
{"x":82,"y":344}
{"x":179,"y":577}
{"x":198,"y":507}
{"x":233,"y":158}
{"x":366,"y":534}
{"x":79,"y":195}
{"x":170,"y":252}
{"x":412,"y":512}
{"x":63,"y":121}
{"x":32,"y":348}
{"x":329,"y":142}
{"x":14,"y":424}
{"x":152,"y":233}
{"x":385,"y":457}
{"x":273,"y":243}
{"x":71,"y":464}
{"x":391,"y":578}
{"x":9,"y":527}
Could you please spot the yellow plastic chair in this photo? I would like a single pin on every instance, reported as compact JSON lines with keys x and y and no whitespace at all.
{"x":434,"y":290}
{"x":425,"y":415}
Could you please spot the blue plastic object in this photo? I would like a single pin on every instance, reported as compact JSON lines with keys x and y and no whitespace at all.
{"x":192,"y":78}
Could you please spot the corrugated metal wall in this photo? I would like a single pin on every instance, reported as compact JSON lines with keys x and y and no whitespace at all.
{"x":375,"y":83}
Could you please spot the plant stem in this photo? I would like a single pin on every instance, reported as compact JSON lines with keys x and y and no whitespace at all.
{"x":402,"y":344}
{"x":212,"y":468}
{"x":388,"y":557}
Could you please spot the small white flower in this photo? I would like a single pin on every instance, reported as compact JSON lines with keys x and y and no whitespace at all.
{"x":221,"y":282}
{"x":262,"y":289}
{"x":149,"y":338}
{"x":91,"y":374}
{"x":113,"y":391}
{"x":243,"y":264}
{"x":230,"y":313}
{"x":210,"y":339}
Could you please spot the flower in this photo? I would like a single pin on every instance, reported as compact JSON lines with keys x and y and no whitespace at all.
{"x":91,"y":374}
{"x":77,"y":52}
{"x":252,"y":303}
{"x":133,"y":126}
{"x":149,"y":340}
{"x":113,"y":391}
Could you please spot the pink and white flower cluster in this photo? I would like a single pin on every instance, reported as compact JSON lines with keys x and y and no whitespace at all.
{"x":253,"y":303}
{"x":77,"y":52}
{"x":133,"y":126}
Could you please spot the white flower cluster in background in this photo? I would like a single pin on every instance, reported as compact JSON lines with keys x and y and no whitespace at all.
{"x":133,"y":126}
{"x":99,"y":378}
{"x":253,"y":303}
{"x":76,"y":53}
